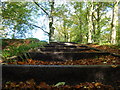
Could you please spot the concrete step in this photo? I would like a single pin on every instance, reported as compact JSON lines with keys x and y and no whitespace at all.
{"x":60,"y":56}
{"x":71,"y":74}
{"x":59,"y":46}
{"x":64,"y":49}
{"x":64,"y":46}
{"x":62,"y":43}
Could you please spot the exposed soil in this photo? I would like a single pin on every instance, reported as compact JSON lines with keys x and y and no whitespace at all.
{"x":31,"y":84}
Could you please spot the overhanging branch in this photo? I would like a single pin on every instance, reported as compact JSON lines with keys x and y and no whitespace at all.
{"x":41,"y":8}
{"x":40,"y":28}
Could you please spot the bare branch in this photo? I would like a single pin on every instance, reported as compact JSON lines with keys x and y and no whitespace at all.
{"x":41,"y":29}
{"x":41,"y":8}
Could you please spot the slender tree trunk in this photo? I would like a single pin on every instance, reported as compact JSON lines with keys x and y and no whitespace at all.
{"x":80,"y":38}
{"x":80,"y":24}
{"x":51,"y":32}
{"x":66,"y":37}
{"x":87,"y":18}
{"x":114,"y":23}
{"x":94,"y":29}
{"x":98,"y":23}
{"x":118,"y":39}
{"x":90,"y":26}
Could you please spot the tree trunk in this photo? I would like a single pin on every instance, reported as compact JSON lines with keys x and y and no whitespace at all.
{"x":98,"y":23}
{"x":90,"y":24}
{"x":51,"y":28}
{"x":94,"y":29}
{"x":114,"y":23}
{"x":80,"y":25}
{"x":118,"y":39}
{"x":65,"y":31}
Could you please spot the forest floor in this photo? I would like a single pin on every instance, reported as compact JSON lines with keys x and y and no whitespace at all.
{"x":109,"y":48}
{"x":31,"y":84}
{"x":16,"y":42}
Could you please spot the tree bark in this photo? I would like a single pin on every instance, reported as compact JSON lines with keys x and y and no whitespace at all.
{"x":98,"y":23}
{"x":51,"y":33}
{"x":90,"y":24}
{"x":118,"y":39}
{"x":114,"y":23}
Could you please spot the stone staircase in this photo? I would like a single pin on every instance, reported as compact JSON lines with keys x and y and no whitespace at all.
{"x":63,"y":52}
{"x":71,"y":74}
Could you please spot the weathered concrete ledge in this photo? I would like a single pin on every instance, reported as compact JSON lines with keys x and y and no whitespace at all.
{"x":71,"y":74}
{"x":60,"y":56}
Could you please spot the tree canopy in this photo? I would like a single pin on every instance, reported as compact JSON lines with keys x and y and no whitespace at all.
{"x":16,"y":18}
{"x":83,"y":22}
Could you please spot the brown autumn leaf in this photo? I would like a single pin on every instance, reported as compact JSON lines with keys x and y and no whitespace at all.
{"x":43,"y":85}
